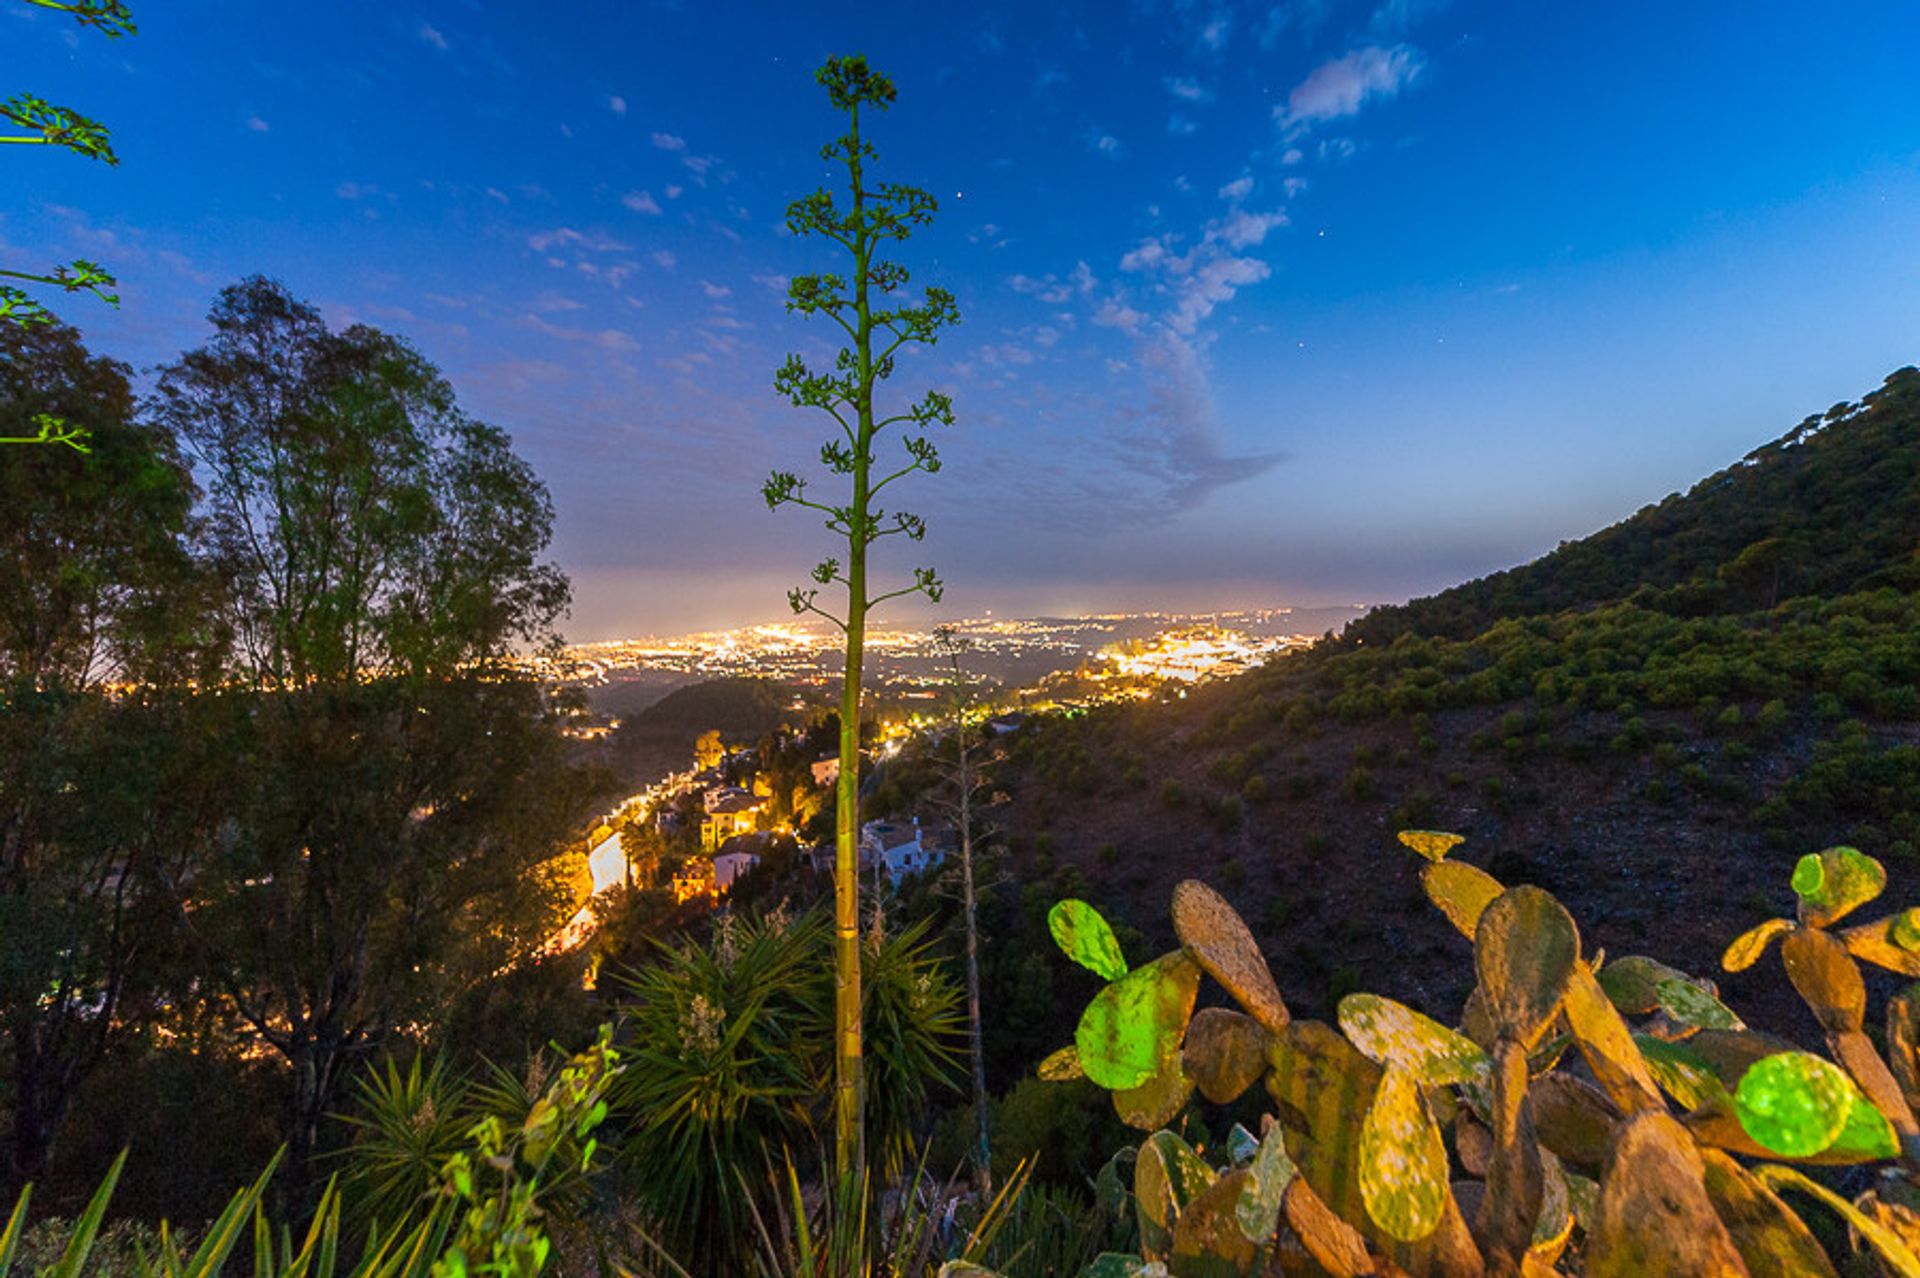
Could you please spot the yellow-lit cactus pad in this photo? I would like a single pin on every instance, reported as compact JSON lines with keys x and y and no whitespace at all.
{"x":1835,"y":882}
{"x":1431,"y":844}
{"x":1391,"y":1033}
{"x":1403,"y":1162}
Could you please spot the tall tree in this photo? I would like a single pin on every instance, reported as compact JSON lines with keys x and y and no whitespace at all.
{"x":41,"y":123}
{"x":867,"y":307}
{"x":96,"y":791}
{"x":405,"y":782}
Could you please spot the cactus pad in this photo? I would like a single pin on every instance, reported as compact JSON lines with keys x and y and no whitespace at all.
{"x":1225,"y":1052}
{"x":1887,"y":942}
{"x":1134,"y":1024}
{"x":1219,"y":940}
{"x":1687,"y":1003}
{"x":1062,"y":1066}
{"x":1827,"y":978}
{"x":1633,"y":982}
{"x":1431,"y":844}
{"x":1525,"y":948}
{"x":1752,"y":943}
{"x":1793,"y":1103}
{"x":1773,"y":1241}
{"x":1207,"y":1242}
{"x":1391,"y":1033}
{"x":1167,"y":1175}
{"x":1654,"y":1216}
{"x":1833,"y":883}
{"x":1258,"y":1211}
{"x":1461,"y":891}
{"x":1157,"y":1101}
{"x":1085,"y":937}
{"x":1403,"y":1163}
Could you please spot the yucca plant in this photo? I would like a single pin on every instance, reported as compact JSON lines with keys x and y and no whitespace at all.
{"x":407,"y":1123}
{"x":728,"y":1052}
{"x":915,"y":1024}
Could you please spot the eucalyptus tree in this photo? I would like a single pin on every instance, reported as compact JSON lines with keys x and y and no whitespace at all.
{"x":400,"y":783}
{"x":101,"y":783}
{"x":869,"y":306}
{"x":37,"y":122}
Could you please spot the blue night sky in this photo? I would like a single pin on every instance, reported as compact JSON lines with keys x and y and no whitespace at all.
{"x":1310,"y":303}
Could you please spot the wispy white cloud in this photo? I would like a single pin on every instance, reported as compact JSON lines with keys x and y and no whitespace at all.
{"x":669,"y":142}
{"x":567,"y":236}
{"x":1104,"y":144}
{"x":715,"y":290}
{"x":1340,"y":88}
{"x":356,"y":190}
{"x":641,"y":202}
{"x":432,"y":36}
{"x":257,"y":124}
{"x":1180,"y":126}
{"x":616,"y":104}
{"x":665,"y":260}
{"x":1188,"y":89}
{"x":607,"y":339}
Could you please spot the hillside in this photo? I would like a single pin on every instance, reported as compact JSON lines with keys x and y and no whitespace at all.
{"x":1645,"y":722}
{"x":659,"y":739}
{"x":1830,"y":507}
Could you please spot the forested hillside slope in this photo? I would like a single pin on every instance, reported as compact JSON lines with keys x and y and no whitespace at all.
{"x":1654,"y":723}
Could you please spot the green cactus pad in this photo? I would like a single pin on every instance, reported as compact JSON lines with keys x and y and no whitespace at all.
{"x":1793,"y":1103}
{"x":1134,"y":1024}
{"x":1685,"y":1074}
{"x":1084,"y":936}
{"x":1752,"y":943}
{"x":1904,"y":931}
{"x":1391,"y":1033}
{"x":1632,"y":982}
{"x":1403,"y":1162}
{"x":1867,"y":1134}
{"x":1525,"y":948}
{"x":1461,"y":891}
{"x":1062,"y":1066}
{"x":1113,"y":1264}
{"x":1832,"y":883}
{"x":1431,"y":844}
{"x":1266,"y":1187}
{"x":1688,"y":1004}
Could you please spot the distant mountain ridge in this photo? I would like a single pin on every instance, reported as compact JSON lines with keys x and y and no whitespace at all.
{"x":1829,"y":508}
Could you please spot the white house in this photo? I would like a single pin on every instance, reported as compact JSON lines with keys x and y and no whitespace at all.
{"x":728,"y":867}
{"x":899,"y":847}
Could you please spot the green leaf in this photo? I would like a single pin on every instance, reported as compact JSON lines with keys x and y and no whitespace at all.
{"x":1134,"y":1024}
{"x":16,"y":1225}
{"x":1685,"y":1074}
{"x":1086,"y":938}
{"x":73,"y":1260}
{"x":1794,"y":1103}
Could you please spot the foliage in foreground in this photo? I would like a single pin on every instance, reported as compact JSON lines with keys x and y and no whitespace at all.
{"x":1399,"y":1145}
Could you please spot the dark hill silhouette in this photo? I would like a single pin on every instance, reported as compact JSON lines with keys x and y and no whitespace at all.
{"x":660,"y":738}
